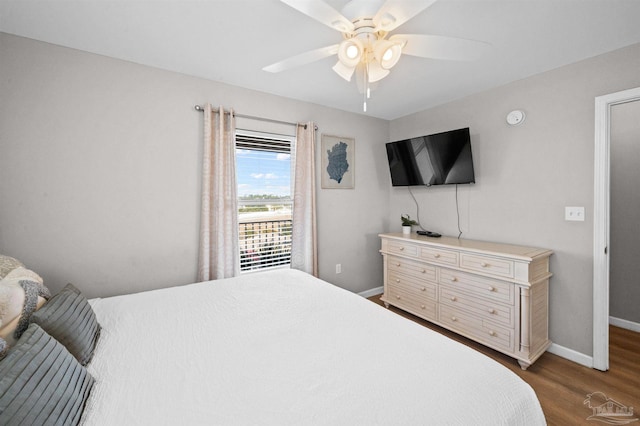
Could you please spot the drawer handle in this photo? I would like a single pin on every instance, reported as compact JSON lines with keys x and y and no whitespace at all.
{"x":398,"y":297}
{"x":454,"y":279}
{"x":423,"y":289}
{"x":422,"y":306}
{"x":491,"y":288}
{"x":454,"y":319}
{"x":401,"y":248}
{"x":453,"y":298}
{"x":492,"y":333}
{"x":436,"y":255}
{"x":492,"y":311}
{"x":484,"y":265}
{"x":397,"y":280}
{"x":424,"y":271}
{"x":398,"y":264}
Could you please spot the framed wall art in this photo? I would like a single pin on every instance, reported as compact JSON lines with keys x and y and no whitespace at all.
{"x":337,"y":165}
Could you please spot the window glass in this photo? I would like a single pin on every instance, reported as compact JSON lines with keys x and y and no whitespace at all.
{"x":263,"y":168}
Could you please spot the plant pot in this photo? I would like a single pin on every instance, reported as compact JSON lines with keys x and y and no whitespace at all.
{"x":406,"y":230}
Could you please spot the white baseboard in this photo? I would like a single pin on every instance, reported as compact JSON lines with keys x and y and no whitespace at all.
{"x":372,"y":292}
{"x":571,"y":355}
{"x":626,"y":324}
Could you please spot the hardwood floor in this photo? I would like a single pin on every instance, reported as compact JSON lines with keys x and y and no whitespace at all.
{"x":561,"y":385}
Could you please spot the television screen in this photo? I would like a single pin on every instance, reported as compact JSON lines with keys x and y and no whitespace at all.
{"x":438,"y":159}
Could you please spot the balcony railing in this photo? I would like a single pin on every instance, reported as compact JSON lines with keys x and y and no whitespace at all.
{"x":264,"y":243}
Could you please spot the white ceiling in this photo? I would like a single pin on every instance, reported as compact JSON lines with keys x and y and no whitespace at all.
{"x":231,"y":40}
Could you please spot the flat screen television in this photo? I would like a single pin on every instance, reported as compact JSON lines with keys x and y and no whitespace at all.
{"x":438,"y":159}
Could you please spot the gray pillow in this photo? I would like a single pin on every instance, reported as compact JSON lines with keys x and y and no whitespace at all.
{"x":41,"y":383}
{"x":68,"y":317}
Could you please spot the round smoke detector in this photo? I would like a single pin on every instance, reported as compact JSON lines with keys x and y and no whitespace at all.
{"x":515,"y":117}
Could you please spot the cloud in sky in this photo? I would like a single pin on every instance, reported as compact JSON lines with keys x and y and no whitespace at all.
{"x":264,"y":175}
{"x":280,"y":156}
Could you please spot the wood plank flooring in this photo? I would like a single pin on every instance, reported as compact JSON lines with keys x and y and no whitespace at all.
{"x":562,"y":385}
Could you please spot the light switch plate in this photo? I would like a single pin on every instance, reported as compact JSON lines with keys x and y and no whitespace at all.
{"x":574,"y":213}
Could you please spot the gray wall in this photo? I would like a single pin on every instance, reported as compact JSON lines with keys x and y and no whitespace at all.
{"x":100,"y":171}
{"x":527,"y":174}
{"x":100,"y":165}
{"x":625,"y":207}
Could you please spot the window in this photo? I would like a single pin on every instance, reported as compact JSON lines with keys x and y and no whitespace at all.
{"x":263,"y":167}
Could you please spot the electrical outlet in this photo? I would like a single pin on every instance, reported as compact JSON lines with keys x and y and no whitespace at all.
{"x":338,"y":268}
{"x":574,"y":213}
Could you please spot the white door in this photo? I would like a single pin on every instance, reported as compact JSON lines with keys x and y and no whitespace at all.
{"x":624,"y":224}
{"x":602,"y":214}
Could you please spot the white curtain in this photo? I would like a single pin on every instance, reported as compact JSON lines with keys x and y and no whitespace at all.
{"x":304,"y":254}
{"x":219,"y":254}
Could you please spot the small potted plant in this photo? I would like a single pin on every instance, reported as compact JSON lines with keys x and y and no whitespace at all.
{"x":407,"y":223}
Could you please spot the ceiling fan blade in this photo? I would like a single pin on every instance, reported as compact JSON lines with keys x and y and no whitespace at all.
{"x":323,"y":13}
{"x":394,"y":13}
{"x":440,"y":47}
{"x":303,"y":59}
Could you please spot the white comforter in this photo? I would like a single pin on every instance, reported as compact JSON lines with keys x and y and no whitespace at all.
{"x":284,"y":348}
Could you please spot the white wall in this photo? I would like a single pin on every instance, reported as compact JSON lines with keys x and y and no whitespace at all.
{"x":100,"y":171}
{"x":527,"y":174}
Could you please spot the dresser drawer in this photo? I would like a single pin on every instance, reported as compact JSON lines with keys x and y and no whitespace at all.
{"x":477,"y":328}
{"x":410,"y":302}
{"x":436,"y":255}
{"x":420,"y":290}
{"x":498,"y":312}
{"x":415,"y":269}
{"x":487,"y":264}
{"x":403,"y":248}
{"x":479,"y":286}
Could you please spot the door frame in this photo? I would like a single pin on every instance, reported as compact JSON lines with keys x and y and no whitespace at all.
{"x":601,"y":224}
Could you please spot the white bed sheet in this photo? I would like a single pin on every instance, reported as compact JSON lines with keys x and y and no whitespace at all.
{"x":284,"y":348}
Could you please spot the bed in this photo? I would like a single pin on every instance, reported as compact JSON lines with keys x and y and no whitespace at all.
{"x":281,"y":348}
{"x":270,"y":348}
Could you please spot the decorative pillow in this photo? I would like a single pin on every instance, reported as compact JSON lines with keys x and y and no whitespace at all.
{"x":68,"y":317}
{"x":22,"y":273}
{"x":4,"y":347}
{"x":11,"y":301}
{"x":41,"y":383}
{"x":7,"y":333}
{"x":8,"y":264}
{"x":21,"y":293}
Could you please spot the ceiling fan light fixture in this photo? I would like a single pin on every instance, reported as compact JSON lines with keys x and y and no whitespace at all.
{"x":387,"y":53}
{"x":375,"y":72}
{"x":344,"y":71}
{"x":350,"y":51}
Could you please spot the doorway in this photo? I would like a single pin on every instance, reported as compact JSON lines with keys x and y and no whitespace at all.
{"x":602,"y":215}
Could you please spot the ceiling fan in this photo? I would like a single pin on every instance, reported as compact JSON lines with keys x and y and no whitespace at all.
{"x":367,"y":49}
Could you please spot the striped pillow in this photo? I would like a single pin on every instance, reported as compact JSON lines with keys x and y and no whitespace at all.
{"x":41,"y":383}
{"x":68,"y":317}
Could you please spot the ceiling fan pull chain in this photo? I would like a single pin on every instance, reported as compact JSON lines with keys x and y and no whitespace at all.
{"x":366,"y":87}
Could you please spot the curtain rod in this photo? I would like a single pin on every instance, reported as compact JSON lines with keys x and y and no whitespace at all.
{"x":252,"y":117}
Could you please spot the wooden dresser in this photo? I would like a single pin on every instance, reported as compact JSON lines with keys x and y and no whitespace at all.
{"x":496,"y":294}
